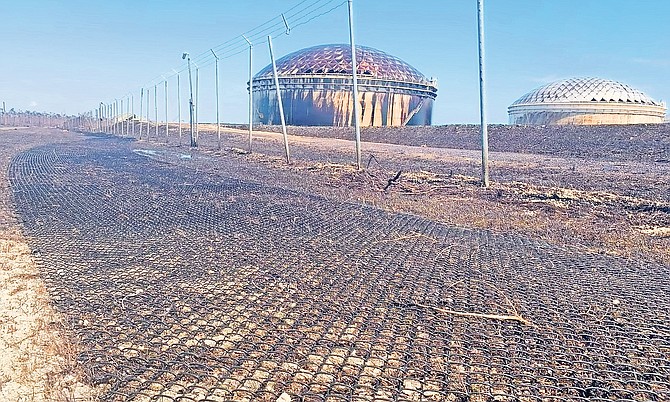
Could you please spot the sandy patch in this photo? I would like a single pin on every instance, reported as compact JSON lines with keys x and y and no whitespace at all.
{"x":35,"y":362}
{"x":38,"y":358}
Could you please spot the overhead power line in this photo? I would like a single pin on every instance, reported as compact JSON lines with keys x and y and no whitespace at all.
{"x":300,"y":14}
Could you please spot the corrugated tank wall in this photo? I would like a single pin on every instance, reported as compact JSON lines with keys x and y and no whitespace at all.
{"x":326,"y":107}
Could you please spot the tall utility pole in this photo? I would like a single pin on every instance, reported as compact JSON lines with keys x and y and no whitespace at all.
{"x":167,"y":124}
{"x":251,"y":90}
{"x":354,"y":74}
{"x":127,"y":116}
{"x":141,"y":104}
{"x":216,"y":73}
{"x":194,"y":143}
{"x":216,"y":77}
{"x":279,"y":102}
{"x":132,"y":110}
{"x":112,"y":117}
{"x":156,"y":108}
{"x":148,"y":96}
{"x":123,"y":127}
{"x":179,"y":107}
{"x":116,"y":116}
{"x":482,"y":95}
{"x":197,"y":101}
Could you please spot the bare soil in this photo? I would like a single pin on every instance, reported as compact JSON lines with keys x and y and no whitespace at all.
{"x":38,"y":359}
{"x":598,"y":189}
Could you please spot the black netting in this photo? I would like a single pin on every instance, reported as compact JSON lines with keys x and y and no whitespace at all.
{"x":186,"y":285}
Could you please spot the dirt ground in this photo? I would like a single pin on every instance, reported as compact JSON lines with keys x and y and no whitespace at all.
{"x":37,"y":362}
{"x":618,"y":206}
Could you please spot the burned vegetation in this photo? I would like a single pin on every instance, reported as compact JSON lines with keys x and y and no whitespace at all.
{"x":222,"y":275}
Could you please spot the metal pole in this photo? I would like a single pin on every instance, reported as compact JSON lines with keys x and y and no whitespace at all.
{"x":197,"y":90}
{"x":482,"y":95}
{"x":167,"y":124}
{"x":132,"y":109}
{"x":123,"y":127}
{"x":194,"y":142}
{"x":354,"y":73}
{"x":127,"y":119}
{"x":156,"y":108}
{"x":116,"y":116}
{"x":141,"y":110}
{"x":148,"y":96}
{"x":279,"y":102}
{"x":112,"y":115}
{"x":216,"y":72}
{"x":179,"y":107}
{"x":251,"y":87}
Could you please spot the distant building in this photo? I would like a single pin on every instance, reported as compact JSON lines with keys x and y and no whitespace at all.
{"x":586,"y":101}
{"x":316,"y":88}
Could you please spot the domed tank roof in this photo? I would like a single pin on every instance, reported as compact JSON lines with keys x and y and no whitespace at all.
{"x":577,"y":90}
{"x":335,"y":59}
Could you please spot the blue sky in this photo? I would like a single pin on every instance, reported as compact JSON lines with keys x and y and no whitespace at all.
{"x":67,"y":56}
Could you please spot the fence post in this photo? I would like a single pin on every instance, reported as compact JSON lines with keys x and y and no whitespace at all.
{"x":482,"y":95}
{"x":132,"y":112}
{"x":167,"y":124}
{"x":179,"y":107}
{"x":216,"y":79}
{"x":354,"y":74}
{"x":197,"y":102}
{"x":141,"y":110}
{"x":251,"y":88}
{"x":156,"y":108}
{"x":279,"y":102}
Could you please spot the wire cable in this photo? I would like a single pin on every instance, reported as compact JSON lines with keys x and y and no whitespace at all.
{"x":295,"y":16}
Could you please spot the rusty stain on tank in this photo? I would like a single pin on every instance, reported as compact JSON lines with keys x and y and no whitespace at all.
{"x":316,"y":83}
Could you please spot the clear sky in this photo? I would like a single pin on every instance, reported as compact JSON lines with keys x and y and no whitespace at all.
{"x":68,"y":56}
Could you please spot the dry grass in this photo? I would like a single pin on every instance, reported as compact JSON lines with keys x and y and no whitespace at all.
{"x":38,"y":359}
{"x":38,"y":356}
{"x":591,"y":220}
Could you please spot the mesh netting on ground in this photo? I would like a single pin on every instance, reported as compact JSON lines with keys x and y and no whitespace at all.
{"x":184,"y":285}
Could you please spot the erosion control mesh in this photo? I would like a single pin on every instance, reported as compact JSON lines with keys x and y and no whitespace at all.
{"x":185,"y":286}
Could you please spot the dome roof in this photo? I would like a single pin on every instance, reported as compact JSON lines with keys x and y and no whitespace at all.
{"x":574,"y":90}
{"x":336,"y":60}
